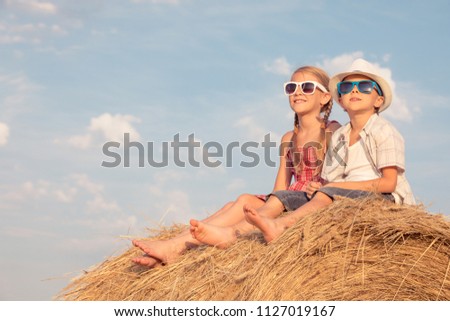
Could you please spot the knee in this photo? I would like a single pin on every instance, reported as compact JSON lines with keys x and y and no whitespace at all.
{"x":244,"y":198}
{"x":322,"y":198}
{"x":227,"y":206}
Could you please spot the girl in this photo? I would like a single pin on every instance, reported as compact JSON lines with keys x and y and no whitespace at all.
{"x":365,"y":157}
{"x":308,"y":98}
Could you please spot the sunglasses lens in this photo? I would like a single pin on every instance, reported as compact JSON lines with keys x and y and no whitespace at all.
{"x":365,"y":87}
{"x":345,"y":87}
{"x":308,"y":88}
{"x":290,"y":88}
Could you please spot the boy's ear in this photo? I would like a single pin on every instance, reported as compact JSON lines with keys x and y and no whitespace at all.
{"x":379,"y":102}
{"x":340,"y":104}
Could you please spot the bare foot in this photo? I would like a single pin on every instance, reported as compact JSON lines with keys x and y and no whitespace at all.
{"x":221,"y":237}
{"x":270,"y":228}
{"x":146,"y":261}
{"x":165,"y":251}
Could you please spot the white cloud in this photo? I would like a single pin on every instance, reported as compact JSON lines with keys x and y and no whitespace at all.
{"x":170,"y":2}
{"x":19,"y":90}
{"x":249,"y":124}
{"x":163,"y":176}
{"x":340,"y":63}
{"x":24,"y":232}
{"x":100,"y":204}
{"x":173,"y":204}
{"x":29,"y":33}
{"x":120,"y":224}
{"x":11,"y":39}
{"x":399,"y":109}
{"x":175,"y":208}
{"x":4,"y":134}
{"x":109,"y":127}
{"x":114,"y":126}
{"x":83,"y":181}
{"x":27,"y":191}
{"x":279,"y":66}
{"x":236,"y":184}
{"x":58,"y":30}
{"x":40,"y":190}
{"x":80,"y":141}
{"x":422,"y":97}
{"x":75,"y":188}
{"x":66,"y":195}
{"x":33,"y":6}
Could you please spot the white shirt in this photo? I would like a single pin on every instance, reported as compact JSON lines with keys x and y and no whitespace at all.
{"x":383,"y":146}
{"x":358,"y":168}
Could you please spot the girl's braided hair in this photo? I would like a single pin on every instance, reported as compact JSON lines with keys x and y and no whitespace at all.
{"x":324,"y":79}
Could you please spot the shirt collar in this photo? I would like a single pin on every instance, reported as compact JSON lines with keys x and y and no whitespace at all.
{"x":366,"y":129}
{"x":368,"y":126}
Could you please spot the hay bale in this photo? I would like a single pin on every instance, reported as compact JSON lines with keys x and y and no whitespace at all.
{"x":353,"y":250}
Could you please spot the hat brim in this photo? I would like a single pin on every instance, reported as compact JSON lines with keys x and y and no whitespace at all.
{"x":384,"y":85}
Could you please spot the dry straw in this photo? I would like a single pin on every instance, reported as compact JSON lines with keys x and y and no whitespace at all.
{"x":353,"y":250}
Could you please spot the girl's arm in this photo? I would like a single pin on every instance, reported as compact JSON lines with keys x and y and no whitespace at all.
{"x":284,"y":175}
{"x":385,"y":184}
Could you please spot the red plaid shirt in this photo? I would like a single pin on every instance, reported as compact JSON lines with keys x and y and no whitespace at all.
{"x":305,"y":167}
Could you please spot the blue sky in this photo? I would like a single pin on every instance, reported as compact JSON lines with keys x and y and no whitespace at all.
{"x":77,"y":74}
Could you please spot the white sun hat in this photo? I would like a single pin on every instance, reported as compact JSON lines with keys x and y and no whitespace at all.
{"x":365,"y":68}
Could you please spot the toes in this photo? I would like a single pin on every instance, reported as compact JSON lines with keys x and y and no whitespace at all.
{"x":145,"y":261}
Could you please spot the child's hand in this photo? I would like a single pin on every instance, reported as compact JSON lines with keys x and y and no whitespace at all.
{"x":312,"y":187}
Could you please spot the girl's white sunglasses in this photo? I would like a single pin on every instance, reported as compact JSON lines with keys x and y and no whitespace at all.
{"x":306,"y":87}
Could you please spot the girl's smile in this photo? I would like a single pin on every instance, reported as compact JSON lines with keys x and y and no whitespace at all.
{"x":299,"y":100}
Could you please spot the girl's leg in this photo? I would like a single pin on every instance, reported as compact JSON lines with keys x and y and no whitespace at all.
{"x":224,"y":236}
{"x":273,"y":228}
{"x":163,"y":251}
{"x":168,"y":250}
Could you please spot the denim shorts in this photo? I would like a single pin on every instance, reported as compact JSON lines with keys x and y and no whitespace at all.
{"x":331,"y":192}
{"x":291,"y":200}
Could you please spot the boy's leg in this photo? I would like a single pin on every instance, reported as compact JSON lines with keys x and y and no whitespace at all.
{"x":224,"y":236}
{"x":273,"y":228}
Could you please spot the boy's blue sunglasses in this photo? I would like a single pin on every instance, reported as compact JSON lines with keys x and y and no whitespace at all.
{"x":364,"y":86}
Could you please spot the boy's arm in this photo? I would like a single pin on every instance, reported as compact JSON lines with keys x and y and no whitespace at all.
{"x":385,"y":184}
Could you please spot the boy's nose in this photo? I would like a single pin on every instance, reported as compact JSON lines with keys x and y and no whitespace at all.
{"x":354,"y":88}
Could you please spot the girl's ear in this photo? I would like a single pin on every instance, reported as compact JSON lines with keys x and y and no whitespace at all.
{"x":325,"y":98}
